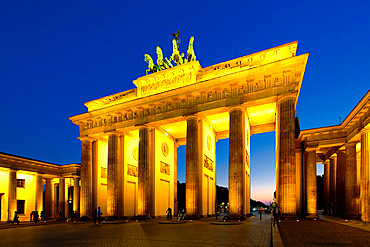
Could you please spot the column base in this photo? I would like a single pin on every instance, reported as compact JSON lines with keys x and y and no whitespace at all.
{"x":312,"y":216}
{"x":352,"y":217}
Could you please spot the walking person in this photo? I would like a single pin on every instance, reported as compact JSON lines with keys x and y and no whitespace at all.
{"x":16,"y":218}
{"x":99,"y":216}
{"x":276,"y":214}
{"x":260,"y":211}
{"x":95,"y":216}
{"x":169,"y":214}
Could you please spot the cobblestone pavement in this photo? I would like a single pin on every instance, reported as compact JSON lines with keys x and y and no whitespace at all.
{"x":254,"y":232}
{"x":311,"y":232}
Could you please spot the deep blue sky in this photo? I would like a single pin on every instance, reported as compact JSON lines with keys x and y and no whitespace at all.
{"x":54,"y":56}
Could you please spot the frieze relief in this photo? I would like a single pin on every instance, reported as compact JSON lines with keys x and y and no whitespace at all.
{"x":208,"y":163}
{"x":132,"y":170}
{"x":165,"y":168}
{"x":250,"y":86}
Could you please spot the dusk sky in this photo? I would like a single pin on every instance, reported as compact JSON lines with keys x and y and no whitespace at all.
{"x":54,"y":56}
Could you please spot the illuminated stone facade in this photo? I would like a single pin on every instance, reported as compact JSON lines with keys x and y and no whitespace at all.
{"x":135,"y":135}
{"x":344,"y":150}
{"x":21,"y":187}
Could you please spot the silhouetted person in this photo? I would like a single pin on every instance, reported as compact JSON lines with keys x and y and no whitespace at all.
{"x":42,"y":215}
{"x":95,"y":216}
{"x":16,"y":218}
{"x":260,"y":211}
{"x":99,"y":216}
{"x":36,"y":216}
{"x":276,"y":214}
{"x":31,"y":215}
{"x":169,"y":214}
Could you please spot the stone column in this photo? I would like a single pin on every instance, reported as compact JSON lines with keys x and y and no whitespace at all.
{"x":144,"y":172}
{"x":86,"y":178}
{"x":236,"y":164}
{"x":62,"y":195}
{"x":193,"y":151}
{"x":94,"y":175}
{"x":299,"y":173}
{"x":286,"y":167}
{"x":341,"y":168}
{"x":76,"y":194}
{"x":12,"y":194}
{"x":333,"y":184}
{"x":311,"y":184}
{"x":48,"y":210}
{"x":114,"y":176}
{"x":350,"y":182}
{"x":326,"y":186}
{"x":39,"y":193}
{"x":365,"y":175}
{"x":175,"y":180}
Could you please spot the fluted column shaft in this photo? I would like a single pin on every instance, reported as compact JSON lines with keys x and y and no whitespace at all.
{"x":76,"y":194}
{"x":86,"y":178}
{"x":39,"y":193}
{"x":144,"y":172}
{"x":236,"y":164}
{"x":326,"y":186}
{"x":62,"y":195}
{"x":365,"y":175}
{"x":114,"y":176}
{"x":333,"y":184}
{"x":350,"y":182}
{"x":311,"y":184}
{"x":341,"y":169}
{"x":12,"y":194}
{"x":48,"y":198}
{"x":286,"y":167}
{"x":193,"y":150}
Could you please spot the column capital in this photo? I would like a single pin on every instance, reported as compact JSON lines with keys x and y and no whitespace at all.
{"x":196,"y":117}
{"x":86,"y":138}
{"x":236,"y":108}
{"x":350,"y":144}
{"x":286,"y":97}
{"x":365,"y":129}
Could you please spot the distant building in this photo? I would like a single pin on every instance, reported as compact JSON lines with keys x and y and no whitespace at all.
{"x":22,"y":182}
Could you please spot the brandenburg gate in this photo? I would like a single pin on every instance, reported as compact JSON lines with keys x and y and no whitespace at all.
{"x":130,"y":139}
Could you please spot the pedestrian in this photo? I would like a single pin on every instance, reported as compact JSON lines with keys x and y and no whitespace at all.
{"x":99,"y":216}
{"x":182,"y":214}
{"x":260,"y":211}
{"x":42,"y":216}
{"x":31,"y":215}
{"x":95,"y":216}
{"x":276,"y":214}
{"x":16,"y":218}
{"x":36,"y":216}
{"x":169,"y":214}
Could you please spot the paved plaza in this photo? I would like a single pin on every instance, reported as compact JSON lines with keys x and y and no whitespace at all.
{"x":254,"y":232}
